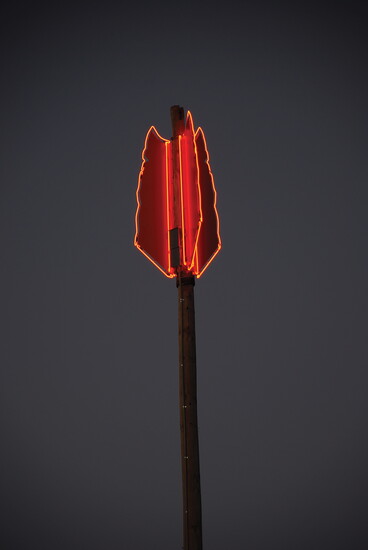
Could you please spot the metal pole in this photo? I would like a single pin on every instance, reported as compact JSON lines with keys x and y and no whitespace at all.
{"x":192,"y":514}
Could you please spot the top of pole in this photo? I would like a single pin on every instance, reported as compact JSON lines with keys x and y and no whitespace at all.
{"x":177,"y":120}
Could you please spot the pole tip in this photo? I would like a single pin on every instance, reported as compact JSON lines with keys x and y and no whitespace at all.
{"x":177,"y":120}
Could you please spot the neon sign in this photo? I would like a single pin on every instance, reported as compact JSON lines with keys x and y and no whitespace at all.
{"x":177,"y":223}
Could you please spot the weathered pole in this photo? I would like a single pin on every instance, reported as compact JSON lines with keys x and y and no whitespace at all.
{"x":192,"y":513}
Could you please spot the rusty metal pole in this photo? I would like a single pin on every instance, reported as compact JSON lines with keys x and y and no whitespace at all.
{"x":192,"y":511}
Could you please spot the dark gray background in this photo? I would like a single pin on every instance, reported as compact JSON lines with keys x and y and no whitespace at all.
{"x":89,"y":402}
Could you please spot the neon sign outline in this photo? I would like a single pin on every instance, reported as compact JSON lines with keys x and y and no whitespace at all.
{"x":187,"y":264}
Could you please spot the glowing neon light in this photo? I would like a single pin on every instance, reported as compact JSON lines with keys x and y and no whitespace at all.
{"x":199,"y":226}
{"x":200,"y":134}
{"x":165,"y":269}
{"x":191,"y":193}
{"x":199,"y":196}
{"x":181,"y":200}
{"x":167,"y":206}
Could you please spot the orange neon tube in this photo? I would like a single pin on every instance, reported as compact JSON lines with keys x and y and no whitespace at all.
{"x":199,"y":231}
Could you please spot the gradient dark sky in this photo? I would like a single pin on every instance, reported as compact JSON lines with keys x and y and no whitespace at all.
{"x":89,"y":421}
